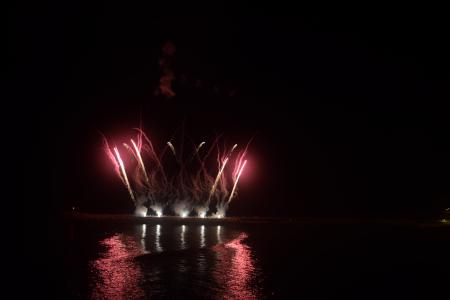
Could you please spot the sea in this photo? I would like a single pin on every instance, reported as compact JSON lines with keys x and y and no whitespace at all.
{"x":108,"y":260}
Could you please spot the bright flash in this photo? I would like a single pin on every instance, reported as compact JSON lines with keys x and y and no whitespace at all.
{"x":184,"y":214}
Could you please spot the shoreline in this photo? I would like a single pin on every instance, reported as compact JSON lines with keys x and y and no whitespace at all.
{"x":175,"y":220}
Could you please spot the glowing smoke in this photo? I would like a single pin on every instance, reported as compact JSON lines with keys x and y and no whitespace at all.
{"x":168,"y":77}
{"x":158,"y":209}
{"x":165,"y":82}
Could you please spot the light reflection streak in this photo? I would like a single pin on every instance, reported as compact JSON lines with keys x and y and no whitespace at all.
{"x":202,"y":236}
{"x":143,"y":235}
{"x":157,"y":238}
{"x":144,"y":231}
{"x":219,"y":235}
{"x":202,"y":264}
{"x":182,"y":237}
{"x":183,"y":266}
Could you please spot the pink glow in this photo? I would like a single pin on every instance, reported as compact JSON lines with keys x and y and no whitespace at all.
{"x":119,"y":274}
{"x":241,"y":269}
{"x":235,"y":269}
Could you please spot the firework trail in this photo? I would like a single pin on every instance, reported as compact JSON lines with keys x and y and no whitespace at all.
{"x":232,"y":149}
{"x":112,"y":158}
{"x":172,"y":148}
{"x":195,"y":152}
{"x":119,"y":167}
{"x":216,"y":181}
{"x":202,"y":161}
{"x":141,"y":162}
{"x":152,"y":151}
{"x":198,"y":147}
{"x":219,"y":174}
{"x":124,"y":174}
{"x":236,"y":181}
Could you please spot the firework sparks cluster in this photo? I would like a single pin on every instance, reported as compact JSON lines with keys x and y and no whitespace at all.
{"x":202,"y":181}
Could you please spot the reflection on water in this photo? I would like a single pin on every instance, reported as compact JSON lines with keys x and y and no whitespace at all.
{"x":235,"y":269}
{"x":143,"y":235}
{"x":125,"y":261}
{"x":202,"y":236}
{"x":211,"y":261}
{"x":157,"y":237}
{"x":144,"y":230}
{"x":183,"y":233}
{"x":116,"y":275}
{"x":219,"y":239}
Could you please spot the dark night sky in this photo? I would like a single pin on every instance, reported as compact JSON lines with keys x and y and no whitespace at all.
{"x":349,"y":109}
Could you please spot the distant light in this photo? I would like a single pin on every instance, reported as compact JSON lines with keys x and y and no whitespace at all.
{"x":448,"y":209}
{"x":73,"y":207}
{"x":202,"y":214}
{"x":141,"y":214}
{"x":184,"y":214}
{"x":443,"y":221}
{"x":140,"y":211}
{"x":159,"y":213}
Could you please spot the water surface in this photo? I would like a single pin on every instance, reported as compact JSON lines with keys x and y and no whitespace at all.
{"x":142,"y":261}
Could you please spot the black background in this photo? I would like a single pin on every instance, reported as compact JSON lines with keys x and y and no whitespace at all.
{"x":348,"y":105}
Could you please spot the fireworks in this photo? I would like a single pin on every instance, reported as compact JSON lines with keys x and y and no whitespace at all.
{"x":139,"y":159}
{"x":172,"y":148}
{"x":236,"y":181}
{"x":124,"y":176}
{"x":184,"y":183}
